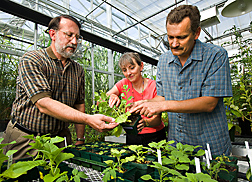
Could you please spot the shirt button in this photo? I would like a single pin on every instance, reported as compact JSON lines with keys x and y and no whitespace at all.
{"x":180,"y":87}
{"x":179,"y":116}
{"x":180,"y":130}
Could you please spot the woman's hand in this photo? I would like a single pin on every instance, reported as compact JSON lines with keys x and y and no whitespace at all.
{"x":114,"y":99}
{"x":149,"y":122}
{"x":141,"y":125}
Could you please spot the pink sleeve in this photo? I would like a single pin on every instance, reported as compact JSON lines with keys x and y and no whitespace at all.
{"x":151,"y":91}
{"x":120,"y":84}
{"x":153,"y":84}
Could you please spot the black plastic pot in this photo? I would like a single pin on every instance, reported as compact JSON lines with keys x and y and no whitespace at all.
{"x":245,"y":127}
{"x":131,"y":128}
{"x":129,"y":174}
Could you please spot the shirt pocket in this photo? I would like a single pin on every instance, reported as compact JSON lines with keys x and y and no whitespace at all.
{"x":195,"y":86}
{"x":194,"y":126}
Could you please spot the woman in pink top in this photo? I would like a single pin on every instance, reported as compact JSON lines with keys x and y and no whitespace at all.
{"x":140,"y":89}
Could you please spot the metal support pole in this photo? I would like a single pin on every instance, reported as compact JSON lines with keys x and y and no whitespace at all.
{"x":93,"y":75}
{"x":110,"y":57}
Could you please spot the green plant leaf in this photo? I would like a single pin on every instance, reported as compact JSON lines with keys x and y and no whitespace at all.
{"x":182,"y":167}
{"x":122,"y":118}
{"x":147,"y":177}
{"x":20,"y":168}
{"x":63,"y":156}
{"x":11,"y":152}
{"x":200,"y":152}
{"x":57,"y":139}
{"x":5,"y":144}
{"x":50,"y":177}
{"x":117,"y":131}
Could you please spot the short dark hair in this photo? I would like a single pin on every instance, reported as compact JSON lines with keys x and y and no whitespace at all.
{"x":127,"y":58}
{"x":179,"y":13}
{"x":55,"y":22}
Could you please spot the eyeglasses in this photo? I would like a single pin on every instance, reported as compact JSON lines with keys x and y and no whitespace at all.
{"x":70,"y":36}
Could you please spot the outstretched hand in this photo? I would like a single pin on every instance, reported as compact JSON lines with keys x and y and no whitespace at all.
{"x":147,"y":109}
{"x":98,"y":122}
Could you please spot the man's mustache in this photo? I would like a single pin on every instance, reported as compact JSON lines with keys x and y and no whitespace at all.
{"x":177,"y":48}
{"x":71,"y":46}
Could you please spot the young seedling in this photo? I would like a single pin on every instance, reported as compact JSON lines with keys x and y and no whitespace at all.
{"x":138,"y":149}
{"x":119,"y":113}
{"x":4,"y":157}
{"x":17,"y":169}
{"x":215,"y":168}
{"x":113,"y":167}
{"x":48,"y":151}
{"x":175,"y":159}
{"x":165,"y":173}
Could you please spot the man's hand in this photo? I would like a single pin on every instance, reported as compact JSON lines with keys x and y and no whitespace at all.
{"x":134,"y":105}
{"x":79,"y":143}
{"x":147,"y":109}
{"x":98,"y":122}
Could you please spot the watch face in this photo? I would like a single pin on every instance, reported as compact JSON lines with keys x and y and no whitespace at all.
{"x":80,"y":139}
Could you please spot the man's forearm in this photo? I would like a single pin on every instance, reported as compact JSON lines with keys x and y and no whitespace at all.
{"x":196,"y":105}
{"x":61,"y":111}
{"x":157,"y":99}
{"x":80,"y":128}
{"x":65,"y":113}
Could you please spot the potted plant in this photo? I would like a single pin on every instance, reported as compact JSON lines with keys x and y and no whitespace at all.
{"x":220,"y":171}
{"x":120,"y":113}
{"x":141,"y":160}
{"x":17,"y":171}
{"x":53,"y":167}
{"x":118,"y":169}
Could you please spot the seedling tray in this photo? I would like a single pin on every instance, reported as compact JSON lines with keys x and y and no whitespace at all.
{"x":99,"y":166}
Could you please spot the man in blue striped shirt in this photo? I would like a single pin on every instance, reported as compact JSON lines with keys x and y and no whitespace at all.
{"x":192,"y":79}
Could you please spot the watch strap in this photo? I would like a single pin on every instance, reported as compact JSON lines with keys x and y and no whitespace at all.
{"x":80,"y":139}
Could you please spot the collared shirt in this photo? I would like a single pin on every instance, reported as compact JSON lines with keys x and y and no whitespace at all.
{"x":205,"y":73}
{"x":149,"y":93}
{"x":41,"y":75}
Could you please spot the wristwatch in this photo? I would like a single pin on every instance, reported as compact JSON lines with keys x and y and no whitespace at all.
{"x":80,"y":139}
{"x":146,"y":123}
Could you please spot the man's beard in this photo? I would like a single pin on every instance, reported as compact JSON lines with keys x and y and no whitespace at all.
{"x":63,"y":50}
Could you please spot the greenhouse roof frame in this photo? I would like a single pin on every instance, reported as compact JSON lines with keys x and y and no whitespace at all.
{"x":42,"y":19}
{"x":134,"y":25}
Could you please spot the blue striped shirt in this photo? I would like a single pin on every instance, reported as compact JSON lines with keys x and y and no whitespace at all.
{"x":205,"y":73}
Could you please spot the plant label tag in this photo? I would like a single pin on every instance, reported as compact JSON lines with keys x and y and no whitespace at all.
{"x":207,"y":159}
{"x":249,"y":154}
{"x":197,"y":164}
{"x":9,"y":161}
{"x":209,"y":151}
{"x":159,"y":156}
{"x":65,"y":141}
{"x":247,"y":145}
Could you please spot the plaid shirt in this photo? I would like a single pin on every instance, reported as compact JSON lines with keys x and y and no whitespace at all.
{"x":41,"y":74}
{"x":205,"y":73}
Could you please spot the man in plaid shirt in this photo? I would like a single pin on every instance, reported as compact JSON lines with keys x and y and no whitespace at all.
{"x":192,"y":79}
{"x":51,"y":92}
